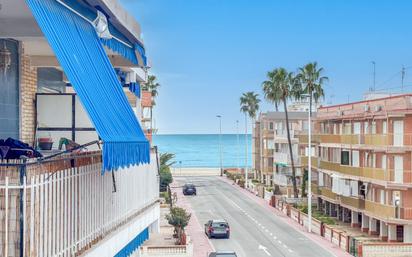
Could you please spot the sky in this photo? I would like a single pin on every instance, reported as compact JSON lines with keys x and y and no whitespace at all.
{"x":206,"y":53}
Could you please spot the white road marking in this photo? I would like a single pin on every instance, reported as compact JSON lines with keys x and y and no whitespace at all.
{"x":265,"y":249}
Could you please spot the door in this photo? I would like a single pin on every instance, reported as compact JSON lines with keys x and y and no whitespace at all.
{"x":398,"y":166}
{"x":398,"y":133}
{"x":9,"y":93}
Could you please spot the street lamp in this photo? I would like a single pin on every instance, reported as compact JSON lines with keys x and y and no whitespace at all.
{"x":309,"y":165}
{"x":238,"y":145}
{"x":220,"y":144}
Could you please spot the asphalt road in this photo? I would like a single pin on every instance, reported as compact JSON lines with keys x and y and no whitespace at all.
{"x":255,"y":231}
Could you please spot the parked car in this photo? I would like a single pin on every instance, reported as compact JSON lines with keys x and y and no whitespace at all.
{"x":189,"y":189}
{"x":217,"y":228}
{"x":223,"y":254}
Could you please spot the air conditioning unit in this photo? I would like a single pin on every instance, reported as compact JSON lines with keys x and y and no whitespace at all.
{"x":366,"y":108}
{"x":377,"y":108}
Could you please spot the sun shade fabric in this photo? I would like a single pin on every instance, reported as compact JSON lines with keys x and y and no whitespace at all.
{"x":122,"y":49}
{"x":84,"y":61}
{"x":134,"y":244}
{"x":134,"y":87}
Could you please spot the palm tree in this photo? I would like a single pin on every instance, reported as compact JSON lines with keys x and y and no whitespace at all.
{"x":280,"y":87}
{"x":249,"y":105}
{"x":312,"y":81}
{"x":152,"y":86}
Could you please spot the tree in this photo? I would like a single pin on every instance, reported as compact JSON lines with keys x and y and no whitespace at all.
{"x":310,"y":76}
{"x":249,"y":105}
{"x":152,"y":86}
{"x":179,"y":219}
{"x":166,"y":162}
{"x":278,"y":88}
{"x":311,"y":82}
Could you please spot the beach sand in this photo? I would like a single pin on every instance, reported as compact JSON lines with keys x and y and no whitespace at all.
{"x":195,"y":171}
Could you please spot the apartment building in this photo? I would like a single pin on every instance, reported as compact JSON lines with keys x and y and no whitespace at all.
{"x":271,"y":156}
{"x":362,"y":170}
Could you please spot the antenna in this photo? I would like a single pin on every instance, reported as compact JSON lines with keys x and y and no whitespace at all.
{"x":374,"y":76}
{"x":403,"y":72}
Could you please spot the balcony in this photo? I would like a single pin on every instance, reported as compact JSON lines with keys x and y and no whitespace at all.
{"x":366,"y":172}
{"x":267,"y":133}
{"x":327,"y":192}
{"x":354,"y":202}
{"x":315,"y":189}
{"x":268,"y":169}
{"x":281,"y":158}
{"x":146,"y":99}
{"x":268,"y":152}
{"x":303,"y":138}
{"x":377,"y":139}
{"x":304,"y":161}
{"x":380,"y":210}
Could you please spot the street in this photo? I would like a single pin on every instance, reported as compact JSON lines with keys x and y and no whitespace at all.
{"x":255,"y":231}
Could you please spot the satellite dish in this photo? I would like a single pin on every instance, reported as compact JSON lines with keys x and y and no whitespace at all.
{"x":101,"y":25}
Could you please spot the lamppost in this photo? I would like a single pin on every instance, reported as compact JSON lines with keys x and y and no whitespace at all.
{"x":220,"y":144}
{"x":309,"y":164}
{"x":238,"y":145}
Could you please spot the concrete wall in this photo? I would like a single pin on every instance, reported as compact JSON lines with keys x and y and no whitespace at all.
{"x":114,"y":242}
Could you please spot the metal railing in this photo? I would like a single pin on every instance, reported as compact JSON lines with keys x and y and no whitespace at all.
{"x":62,"y":206}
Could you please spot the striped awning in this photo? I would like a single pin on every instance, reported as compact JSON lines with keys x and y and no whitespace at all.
{"x":81,"y":54}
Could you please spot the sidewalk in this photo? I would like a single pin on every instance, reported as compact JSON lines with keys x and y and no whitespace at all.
{"x":322,"y":242}
{"x":201,"y":244}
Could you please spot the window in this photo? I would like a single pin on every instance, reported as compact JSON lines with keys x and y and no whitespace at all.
{"x":347,"y":128}
{"x":345,"y":160}
{"x":355,"y":158}
{"x":271,"y":125}
{"x":382,"y":196}
{"x":365,"y":127}
{"x":383,"y":164}
{"x":384,"y":127}
{"x":373,"y":127}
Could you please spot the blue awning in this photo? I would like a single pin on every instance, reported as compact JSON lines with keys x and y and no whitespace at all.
{"x":134,"y":87}
{"x":83,"y":58}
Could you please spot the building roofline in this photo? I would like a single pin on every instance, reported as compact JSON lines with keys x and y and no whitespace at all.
{"x":365,"y":101}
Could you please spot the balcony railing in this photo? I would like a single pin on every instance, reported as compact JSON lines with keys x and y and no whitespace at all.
{"x":397,"y":140}
{"x":268,"y":152}
{"x":281,"y":158}
{"x":327,"y":192}
{"x":355,"y":202}
{"x":67,"y":204}
{"x":381,"y":210}
{"x":377,"y":139}
{"x":268,"y":169}
{"x":367,"y":172}
{"x":304,"y":161}
{"x":267,"y":133}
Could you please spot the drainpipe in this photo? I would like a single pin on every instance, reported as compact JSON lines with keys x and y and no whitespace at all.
{"x":22,"y":171}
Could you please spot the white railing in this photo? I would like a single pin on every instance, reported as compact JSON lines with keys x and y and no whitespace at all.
{"x":169,"y":251}
{"x":65,"y":212}
{"x":386,"y":249}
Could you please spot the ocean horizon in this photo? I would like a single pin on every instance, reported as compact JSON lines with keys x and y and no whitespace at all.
{"x":202,"y":150}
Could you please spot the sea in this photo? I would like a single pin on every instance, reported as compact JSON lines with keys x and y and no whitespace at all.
{"x":202,"y":150}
